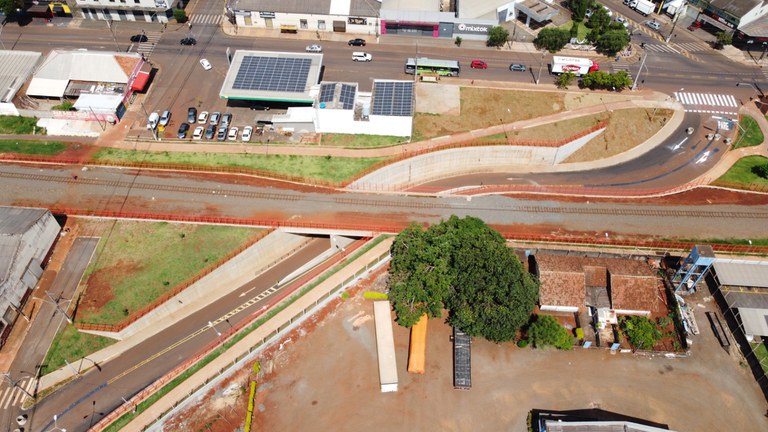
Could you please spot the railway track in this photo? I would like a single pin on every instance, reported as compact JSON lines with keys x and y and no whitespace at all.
{"x":378,"y":202}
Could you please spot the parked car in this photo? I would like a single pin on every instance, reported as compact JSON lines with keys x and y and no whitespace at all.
{"x":191,"y":114}
{"x":356,"y":42}
{"x":198,"y":133}
{"x":215,"y":117}
{"x":654,"y":25}
{"x":622,"y":20}
{"x":478,"y":64}
{"x":221,"y":134}
{"x":183,"y":129}
{"x":139,"y":38}
{"x":210,"y":130}
{"x":165,"y":118}
{"x":247,"y":132}
{"x":152,"y":121}
{"x":694,"y":26}
{"x":189,"y":41}
{"x":203,"y":117}
{"x":226,"y":119}
{"x":314,"y":48}
{"x":259,"y":107}
{"x":206,"y":64}
{"x":517,"y":67}
{"x":232,"y":136}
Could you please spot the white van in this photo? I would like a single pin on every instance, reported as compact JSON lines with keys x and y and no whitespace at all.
{"x":361,"y":56}
{"x":154,"y":118}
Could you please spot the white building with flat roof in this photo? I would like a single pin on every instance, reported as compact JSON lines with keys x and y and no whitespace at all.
{"x":126,"y":10}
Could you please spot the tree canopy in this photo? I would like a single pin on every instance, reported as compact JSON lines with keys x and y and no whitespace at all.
{"x":546,"y":331}
{"x":552,"y":39}
{"x":612,"y":41}
{"x":641,"y":331}
{"x":497,"y":36}
{"x":605,"y":80}
{"x":465,"y":266}
{"x":9,"y":7}
{"x":579,"y":8}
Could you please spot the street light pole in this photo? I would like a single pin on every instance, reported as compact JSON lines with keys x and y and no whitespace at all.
{"x":58,"y":308}
{"x":214,"y":328}
{"x":56,"y":424}
{"x":13,"y":383}
{"x":637,"y":78}
{"x":541,"y":66}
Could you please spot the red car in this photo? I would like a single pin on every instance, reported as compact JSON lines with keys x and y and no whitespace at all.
{"x":478,"y":64}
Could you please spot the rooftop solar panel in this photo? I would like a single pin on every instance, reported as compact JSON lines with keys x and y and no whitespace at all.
{"x":272,"y":74}
{"x":462,"y":363}
{"x":347,"y":97}
{"x":393,"y":98}
{"x":327,"y":91}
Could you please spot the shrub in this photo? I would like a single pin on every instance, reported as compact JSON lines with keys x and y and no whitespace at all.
{"x":458,"y":41}
{"x":546,"y":331}
{"x":373,"y":295}
{"x":641,"y":332}
{"x":522,"y":343}
{"x":180,"y":15}
{"x":761,"y":170}
{"x":64,"y":106}
{"x":497,"y":36}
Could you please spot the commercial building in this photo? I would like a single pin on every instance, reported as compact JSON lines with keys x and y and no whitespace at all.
{"x":290,"y":16}
{"x":746,"y":19}
{"x":99,"y":82}
{"x":26,"y":238}
{"x":15,"y":69}
{"x":126,"y":10}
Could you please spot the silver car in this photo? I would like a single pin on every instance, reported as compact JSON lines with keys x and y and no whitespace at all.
{"x":314,"y":48}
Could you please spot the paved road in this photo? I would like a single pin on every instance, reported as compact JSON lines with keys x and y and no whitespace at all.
{"x":85,"y":399}
{"x":46,"y":323}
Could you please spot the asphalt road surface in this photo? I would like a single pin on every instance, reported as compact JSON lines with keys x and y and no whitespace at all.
{"x":85,"y":399}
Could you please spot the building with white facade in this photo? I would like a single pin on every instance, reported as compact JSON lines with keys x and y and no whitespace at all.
{"x":126,"y":10}
{"x":342,"y":16}
{"x":26,"y":237}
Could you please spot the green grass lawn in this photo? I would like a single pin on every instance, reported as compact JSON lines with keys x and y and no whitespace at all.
{"x":18,"y":125}
{"x":72,"y":345}
{"x":751,"y":134}
{"x":137,"y":262}
{"x":583,"y":30}
{"x":761,"y":352}
{"x":47,"y":148}
{"x":324,"y":168}
{"x":740,"y":175}
{"x":360,"y":141}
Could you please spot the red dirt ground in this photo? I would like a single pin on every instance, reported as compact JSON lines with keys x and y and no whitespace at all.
{"x":698,"y":196}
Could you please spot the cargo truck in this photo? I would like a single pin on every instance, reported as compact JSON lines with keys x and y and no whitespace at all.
{"x":645,"y":7}
{"x":575,"y":65}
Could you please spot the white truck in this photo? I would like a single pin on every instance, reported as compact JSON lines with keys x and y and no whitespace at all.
{"x":575,"y":65}
{"x":645,"y":7}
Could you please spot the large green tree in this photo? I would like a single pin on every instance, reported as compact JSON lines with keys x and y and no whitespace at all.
{"x":546,"y":331}
{"x":579,"y":8}
{"x":599,"y":20}
{"x":465,"y":266}
{"x":552,"y":39}
{"x":612,"y":41}
{"x":497,"y":36}
{"x":9,"y":7}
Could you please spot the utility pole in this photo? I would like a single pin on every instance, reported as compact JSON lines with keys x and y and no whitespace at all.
{"x":112,"y":31}
{"x":58,"y":308}
{"x":541,"y":66}
{"x":154,"y":130}
{"x":674,"y":24}
{"x":637,"y":78}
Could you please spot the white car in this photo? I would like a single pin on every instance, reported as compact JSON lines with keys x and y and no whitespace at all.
{"x":198,"y":133}
{"x":623,"y":21}
{"x":202,"y":118}
{"x":314,"y":48}
{"x":247,"y":132}
{"x":165,"y":118}
{"x":233,"y":133}
{"x":206,"y":64}
{"x":654,"y":25}
{"x":152,"y":121}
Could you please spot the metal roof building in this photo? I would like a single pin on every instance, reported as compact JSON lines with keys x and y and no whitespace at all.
{"x":744,"y":286}
{"x":272,"y":76}
{"x":15,"y":69}
{"x":26,"y":237}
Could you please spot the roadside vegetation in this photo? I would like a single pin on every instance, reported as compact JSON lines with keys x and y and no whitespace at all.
{"x":761,"y":352}
{"x":546,"y":331}
{"x":744,"y":174}
{"x":46,"y":148}
{"x":750,"y":134}
{"x":71,"y":345}
{"x":18,"y":125}
{"x":131,"y":266}
{"x":360,"y":141}
{"x":324,"y":168}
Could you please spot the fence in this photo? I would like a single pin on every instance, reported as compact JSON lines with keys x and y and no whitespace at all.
{"x":250,"y":321}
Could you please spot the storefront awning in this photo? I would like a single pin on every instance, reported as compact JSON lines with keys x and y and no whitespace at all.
{"x":140,"y":82}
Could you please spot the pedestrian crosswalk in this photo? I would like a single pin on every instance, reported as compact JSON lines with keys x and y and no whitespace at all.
{"x":708,"y":103}
{"x":206,"y":19}
{"x":661,"y":48}
{"x":617,"y":66}
{"x":11,"y":396}
{"x":147,"y":47}
{"x":694,"y":46}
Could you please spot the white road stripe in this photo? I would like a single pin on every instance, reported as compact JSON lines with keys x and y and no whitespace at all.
{"x":19,"y":394}
{"x":6,"y":393}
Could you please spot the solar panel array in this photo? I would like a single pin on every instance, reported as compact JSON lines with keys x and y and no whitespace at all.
{"x":347,"y":97}
{"x":393,"y":98}
{"x":462,"y":360}
{"x":272,"y":74}
{"x":327,"y":92}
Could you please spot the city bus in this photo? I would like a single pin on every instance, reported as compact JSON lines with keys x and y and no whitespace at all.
{"x":431,"y":66}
